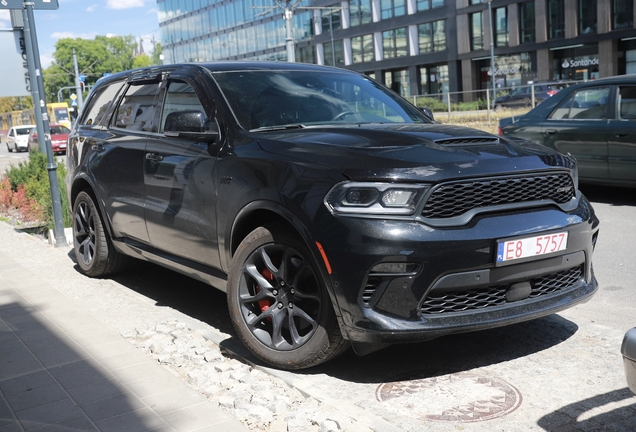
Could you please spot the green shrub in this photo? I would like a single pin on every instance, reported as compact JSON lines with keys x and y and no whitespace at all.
{"x":32,"y":176}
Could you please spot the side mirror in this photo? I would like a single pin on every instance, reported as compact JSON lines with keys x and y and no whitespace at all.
{"x":428,"y":113}
{"x":190,"y":124}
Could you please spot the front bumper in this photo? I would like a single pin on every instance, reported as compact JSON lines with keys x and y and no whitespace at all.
{"x":454,"y":285}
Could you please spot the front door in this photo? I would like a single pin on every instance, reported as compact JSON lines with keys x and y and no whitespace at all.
{"x":622,"y":137}
{"x":579,"y":126}
{"x":180,"y":191}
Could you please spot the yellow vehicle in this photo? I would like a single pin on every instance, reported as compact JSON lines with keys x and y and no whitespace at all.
{"x":57,"y":112}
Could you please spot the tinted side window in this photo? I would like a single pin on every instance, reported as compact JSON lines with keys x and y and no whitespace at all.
{"x":586,"y":104}
{"x":627,"y":103}
{"x":97,"y":106}
{"x":180,"y":97}
{"x":137,"y":110}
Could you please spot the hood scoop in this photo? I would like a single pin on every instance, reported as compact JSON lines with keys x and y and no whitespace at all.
{"x":463,"y":141}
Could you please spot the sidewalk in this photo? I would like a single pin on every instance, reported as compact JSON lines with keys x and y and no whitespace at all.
{"x":61,"y":369}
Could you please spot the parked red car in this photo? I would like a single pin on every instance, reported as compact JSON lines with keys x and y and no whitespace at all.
{"x":59,"y":138}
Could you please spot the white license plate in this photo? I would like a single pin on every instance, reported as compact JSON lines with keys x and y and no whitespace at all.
{"x":511,"y":250}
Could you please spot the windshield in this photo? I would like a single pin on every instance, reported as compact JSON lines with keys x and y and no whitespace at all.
{"x":59,"y":129}
{"x":61,"y":114}
{"x":263,"y":99}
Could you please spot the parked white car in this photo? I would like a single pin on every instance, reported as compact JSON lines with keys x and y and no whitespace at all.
{"x":18,"y":138}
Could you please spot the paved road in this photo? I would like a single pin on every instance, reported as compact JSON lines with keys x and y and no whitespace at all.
{"x":7,"y":159}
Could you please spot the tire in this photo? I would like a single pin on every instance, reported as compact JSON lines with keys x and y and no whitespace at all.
{"x":278,"y":306}
{"x":9,"y":148}
{"x":94,"y":250}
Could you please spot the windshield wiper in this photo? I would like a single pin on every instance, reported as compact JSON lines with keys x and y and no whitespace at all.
{"x":279,"y":127}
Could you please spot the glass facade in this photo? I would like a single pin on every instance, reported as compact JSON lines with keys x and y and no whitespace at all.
{"x":380,"y":36}
{"x":198,"y":30}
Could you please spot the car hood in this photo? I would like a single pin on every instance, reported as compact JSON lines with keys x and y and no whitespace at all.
{"x":411,"y":152}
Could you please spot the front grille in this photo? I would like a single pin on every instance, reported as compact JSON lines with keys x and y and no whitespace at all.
{"x":454,"y":199}
{"x":480,"y":298}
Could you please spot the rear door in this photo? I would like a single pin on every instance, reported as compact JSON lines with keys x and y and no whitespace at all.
{"x":579,"y":126}
{"x":622,"y":136}
{"x":117,"y":155}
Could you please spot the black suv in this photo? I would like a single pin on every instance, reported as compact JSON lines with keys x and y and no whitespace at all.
{"x":331,"y":211}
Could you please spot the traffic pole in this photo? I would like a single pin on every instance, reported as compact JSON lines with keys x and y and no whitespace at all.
{"x":42,"y":118}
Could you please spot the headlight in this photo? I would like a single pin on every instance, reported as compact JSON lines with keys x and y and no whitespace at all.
{"x":374,"y":198}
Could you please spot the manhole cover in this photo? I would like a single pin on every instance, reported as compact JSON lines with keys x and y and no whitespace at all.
{"x":460,"y":397}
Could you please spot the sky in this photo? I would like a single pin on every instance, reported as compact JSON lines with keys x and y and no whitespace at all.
{"x":89,"y":18}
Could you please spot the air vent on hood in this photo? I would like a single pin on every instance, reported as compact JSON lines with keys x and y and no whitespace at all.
{"x":467,"y":141}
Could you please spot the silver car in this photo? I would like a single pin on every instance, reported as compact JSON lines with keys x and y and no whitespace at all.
{"x":628,"y":350}
{"x":18,"y":138}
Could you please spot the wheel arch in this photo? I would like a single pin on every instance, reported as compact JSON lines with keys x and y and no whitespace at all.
{"x":83,"y":184}
{"x":260,"y":213}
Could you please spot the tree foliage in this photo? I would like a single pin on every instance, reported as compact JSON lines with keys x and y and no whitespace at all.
{"x":104,"y":54}
{"x":8,"y":104}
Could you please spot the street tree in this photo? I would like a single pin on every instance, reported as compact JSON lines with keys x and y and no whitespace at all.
{"x":104,"y":54}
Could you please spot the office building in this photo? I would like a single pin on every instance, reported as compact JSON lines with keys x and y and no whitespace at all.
{"x":415,"y":46}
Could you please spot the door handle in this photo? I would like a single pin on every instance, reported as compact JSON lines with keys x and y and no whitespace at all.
{"x":154,"y":157}
{"x":621,"y":135}
{"x":551,"y":131}
{"x":98,"y":147}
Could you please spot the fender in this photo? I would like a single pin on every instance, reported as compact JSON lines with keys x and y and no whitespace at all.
{"x":299,"y":223}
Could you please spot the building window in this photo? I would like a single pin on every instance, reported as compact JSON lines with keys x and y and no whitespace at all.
{"x":359,"y":12}
{"x":429,"y":4}
{"x":394,"y":43}
{"x":331,"y":18}
{"x":434,"y":81}
{"x":500,"y":16}
{"x":362,"y":48}
{"x":335,"y":56}
{"x":432,"y":37}
{"x":392,"y":8}
{"x":556,"y":19}
{"x":622,"y":14}
{"x":587,"y":16}
{"x":477,"y":31}
{"x":526,"y":22}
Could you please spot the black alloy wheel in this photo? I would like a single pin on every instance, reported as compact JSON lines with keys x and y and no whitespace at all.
{"x":278,"y":305}
{"x":93,"y":249}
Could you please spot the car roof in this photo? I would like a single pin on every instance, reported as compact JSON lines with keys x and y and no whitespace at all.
{"x":223,"y":66}
{"x":23,"y":127}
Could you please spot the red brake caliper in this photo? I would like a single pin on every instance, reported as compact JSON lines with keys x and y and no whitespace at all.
{"x":266,"y":303}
